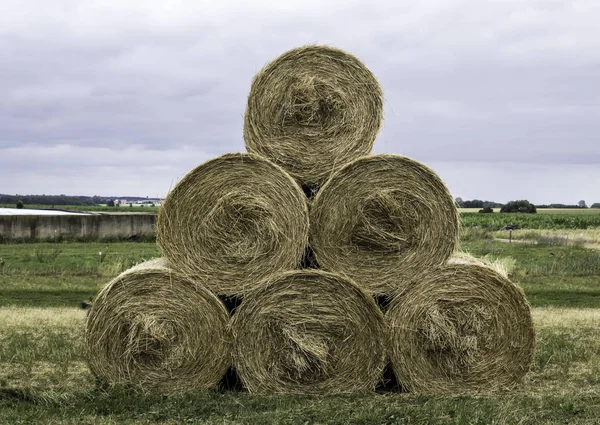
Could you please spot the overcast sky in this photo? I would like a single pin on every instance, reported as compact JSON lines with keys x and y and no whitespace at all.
{"x":500,"y":97}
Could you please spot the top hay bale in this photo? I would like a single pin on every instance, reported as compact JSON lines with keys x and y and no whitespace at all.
{"x":382,"y":220}
{"x":233,"y":221}
{"x":313,"y":110}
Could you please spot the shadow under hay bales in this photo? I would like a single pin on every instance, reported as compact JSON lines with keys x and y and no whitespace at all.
{"x":383,"y":301}
{"x":14,"y":395}
{"x":231,"y":302}
{"x":231,"y":381}
{"x":389,"y":383}
{"x":310,"y":190}
{"x":309,"y":261}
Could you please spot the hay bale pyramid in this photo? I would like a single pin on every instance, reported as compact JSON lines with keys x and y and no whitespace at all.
{"x":334,"y":263}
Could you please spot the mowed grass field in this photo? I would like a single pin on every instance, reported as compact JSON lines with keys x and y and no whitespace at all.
{"x":44,"y":377}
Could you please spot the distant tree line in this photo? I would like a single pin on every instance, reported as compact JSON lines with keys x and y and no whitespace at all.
{"x":49,"y":200}
{"x":477,"y":203}
{"x":62,"y":199}
{"x":516,"y":206}
{"x":581,"y":204}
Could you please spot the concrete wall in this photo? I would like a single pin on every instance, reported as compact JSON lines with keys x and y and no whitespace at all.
{"x":76,"y":226}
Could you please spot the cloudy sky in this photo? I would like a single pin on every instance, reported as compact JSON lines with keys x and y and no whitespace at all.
{"x":500,"y":97}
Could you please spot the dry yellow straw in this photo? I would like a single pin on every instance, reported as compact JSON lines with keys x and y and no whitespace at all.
{"x":313,"y":110}
{"x":153,"y":330}
{"x":383,"y":219}
{"x":462,"y":328}
{"x":232,"y":221}
{"x":309,"y":331}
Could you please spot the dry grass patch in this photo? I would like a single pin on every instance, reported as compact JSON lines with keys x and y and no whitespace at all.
{"x":36,"y":318}
{"x":566,"y":318}
{"x":586,"y":237}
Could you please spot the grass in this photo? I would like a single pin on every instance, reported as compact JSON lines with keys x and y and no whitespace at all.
{"x":43,"y":373}
{"x":34,"y":275}
{"x":73,"y":258}
{"x":213,"y":408}
{"x":540,"y":260}
{"x":550,"y":275}
{"x":64,"y":274}
{"x":44,"y":377}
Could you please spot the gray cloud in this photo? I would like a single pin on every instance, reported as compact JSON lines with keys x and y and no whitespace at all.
{"x":466,"y":81}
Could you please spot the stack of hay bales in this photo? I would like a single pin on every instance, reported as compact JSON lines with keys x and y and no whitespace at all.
{"x":308,"y":230}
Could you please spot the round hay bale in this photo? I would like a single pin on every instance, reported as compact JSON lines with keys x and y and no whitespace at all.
{"x":463,"y":328}
{"x":309,"y":332}
{"x":313,"y":110}
{"x":381,"y":220}
{"x":155,"y":331}
{"x":466,"y":258}
{"x":232,"y":221}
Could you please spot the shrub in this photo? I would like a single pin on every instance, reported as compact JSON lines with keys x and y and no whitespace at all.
{"x":20,"y":204}
{"x":487,"y":210}
{"x":522,"y":206}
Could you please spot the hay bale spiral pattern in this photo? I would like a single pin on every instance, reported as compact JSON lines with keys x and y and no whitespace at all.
{"x":313,"y":110}
{"x":309,"y":331}
{"x":382,"y":220}
{"x":232,"y":221}
{"x":152,"y":330}
{"x":462,"y":329}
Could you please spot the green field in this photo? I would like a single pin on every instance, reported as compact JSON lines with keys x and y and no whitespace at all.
{"x":584,"y":211}
{"x":575,"y":219}
{"x":63,"y":274}
{"x":44,"y":378}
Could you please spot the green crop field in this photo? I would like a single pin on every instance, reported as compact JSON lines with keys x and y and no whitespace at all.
{"x":555,"y":220}
{"x":44,"y":377}
{"x":577,"y":211}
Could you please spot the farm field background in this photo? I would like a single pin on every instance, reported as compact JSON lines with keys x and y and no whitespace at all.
{"x":94,"y":208}
{"x":591,"y":211}
{"x":44,"y":378}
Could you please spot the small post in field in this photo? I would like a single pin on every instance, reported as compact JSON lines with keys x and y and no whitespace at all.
{"x":510,"y":236}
